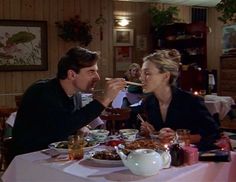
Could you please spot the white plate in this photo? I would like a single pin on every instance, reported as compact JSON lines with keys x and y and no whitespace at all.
{"x":108,"y":162}
{"x":65,"y":150}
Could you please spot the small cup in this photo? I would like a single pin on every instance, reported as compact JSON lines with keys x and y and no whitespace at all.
{"x":183,"y":136}
{"x":99,"y":134}
{"x":128,"y":135}
{"x":75,"y":147}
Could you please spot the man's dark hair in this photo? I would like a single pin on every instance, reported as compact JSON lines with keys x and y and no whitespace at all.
{"x":75,"y":59}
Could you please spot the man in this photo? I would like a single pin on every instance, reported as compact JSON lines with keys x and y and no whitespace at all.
{"x":49,"y":109}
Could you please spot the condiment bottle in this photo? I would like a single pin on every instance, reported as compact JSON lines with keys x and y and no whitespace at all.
{"x":177,"y":154}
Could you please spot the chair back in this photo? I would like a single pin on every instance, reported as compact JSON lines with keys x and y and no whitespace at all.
{"x":18,"y":100}
{"x":5,"y":112}
{"x":115,"y":118}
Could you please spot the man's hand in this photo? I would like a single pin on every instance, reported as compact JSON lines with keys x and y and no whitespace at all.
{"x":111,"y":90}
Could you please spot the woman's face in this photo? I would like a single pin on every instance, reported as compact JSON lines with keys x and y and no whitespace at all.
{"x":152,"y":79}
{"x":135,"y":72}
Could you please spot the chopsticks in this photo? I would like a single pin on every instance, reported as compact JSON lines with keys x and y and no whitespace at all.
{"x":128,"y":82}
{"x":145,"y":124}
{"x":140,"y":118}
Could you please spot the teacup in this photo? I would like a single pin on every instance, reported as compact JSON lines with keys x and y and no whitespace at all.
{"x":128,"y":134}
{"x":99,"y":134}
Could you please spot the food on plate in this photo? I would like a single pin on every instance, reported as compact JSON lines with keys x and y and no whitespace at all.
{"x":144,"y":144}
{"x":107,"y":155}
{"x":64,"y":144}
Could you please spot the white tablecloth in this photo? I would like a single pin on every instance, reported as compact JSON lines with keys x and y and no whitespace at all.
{"x":219,"y":104}
{"x":37,"y":167}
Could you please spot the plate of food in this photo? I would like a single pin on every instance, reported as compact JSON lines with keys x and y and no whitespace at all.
{"x":62,"y":146}
{"x":143,"y":143}
{"x":107,"y":157}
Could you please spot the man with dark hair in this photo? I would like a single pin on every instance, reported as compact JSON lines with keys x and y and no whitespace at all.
{"x":50,"y":110}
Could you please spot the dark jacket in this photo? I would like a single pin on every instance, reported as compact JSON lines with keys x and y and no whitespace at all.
{"x":185,"y":111}
{"x":47,"y":115}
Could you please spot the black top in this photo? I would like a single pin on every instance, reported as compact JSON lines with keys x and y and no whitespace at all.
{"x":47,"y":115}
{"x":185,"y":111}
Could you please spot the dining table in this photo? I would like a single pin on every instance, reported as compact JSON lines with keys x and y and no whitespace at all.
{"x":220,"y":105}
{"x":40,"y":167}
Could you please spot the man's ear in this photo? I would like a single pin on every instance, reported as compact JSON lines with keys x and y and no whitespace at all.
{"x":71,"y":75}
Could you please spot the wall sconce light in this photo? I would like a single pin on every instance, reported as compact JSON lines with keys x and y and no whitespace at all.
{"x":123,"y":22}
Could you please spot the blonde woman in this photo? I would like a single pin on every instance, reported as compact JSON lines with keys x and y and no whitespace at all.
{"x":167,"y":107}
{"x":133,"y":72}
{"x":134,"y":93}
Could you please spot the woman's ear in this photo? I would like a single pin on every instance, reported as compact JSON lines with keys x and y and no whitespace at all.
{"x":167,"y":76}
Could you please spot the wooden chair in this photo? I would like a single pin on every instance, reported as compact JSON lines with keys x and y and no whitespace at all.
{"x":18,"y":100}
{"x":115,"y":118}
{"x":4,"y":141}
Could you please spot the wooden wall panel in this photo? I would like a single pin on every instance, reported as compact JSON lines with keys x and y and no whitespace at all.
{"x":12,"y":83}
{"x":214,"y":49}
{"x":59,"y":10}
{"x":141,"y":23}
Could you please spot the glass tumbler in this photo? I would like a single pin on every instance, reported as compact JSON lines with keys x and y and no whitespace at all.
{"x":75,"y":147}
{"x":183,"y":136}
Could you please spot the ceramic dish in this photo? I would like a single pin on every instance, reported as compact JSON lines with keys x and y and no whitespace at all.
{"x":55,"y":145}
{"x":106,"y":157}
{"x":108,"y":162}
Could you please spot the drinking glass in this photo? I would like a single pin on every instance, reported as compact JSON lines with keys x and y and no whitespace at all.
{"x":75,"y":147}
{"x":183,"y":136}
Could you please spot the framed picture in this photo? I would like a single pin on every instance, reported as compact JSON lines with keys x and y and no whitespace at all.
{"x":23,"y":45}
{"x":229,"y":39}
{"x":123,"y":57}
{"x":141,"y":42}
{"x":123,"y":37}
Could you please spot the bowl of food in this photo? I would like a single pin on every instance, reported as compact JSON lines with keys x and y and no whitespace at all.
{"x":128,"y":134}
{"x":99,"y":134}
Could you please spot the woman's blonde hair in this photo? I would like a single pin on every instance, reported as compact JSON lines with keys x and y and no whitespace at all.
{"x":166,"y":60}
{"x":132,"y":66}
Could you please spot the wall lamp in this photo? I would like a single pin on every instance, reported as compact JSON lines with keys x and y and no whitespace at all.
{"x":122,"y":21}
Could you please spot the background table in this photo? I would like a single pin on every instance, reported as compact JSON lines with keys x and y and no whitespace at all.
{"x":39,"y":167}
{"x":219,"y":104}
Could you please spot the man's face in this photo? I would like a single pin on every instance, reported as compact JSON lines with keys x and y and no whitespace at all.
{"x":87,"y":78}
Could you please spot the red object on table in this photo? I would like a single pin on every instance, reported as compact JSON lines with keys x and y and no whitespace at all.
{"x":113,"y":143}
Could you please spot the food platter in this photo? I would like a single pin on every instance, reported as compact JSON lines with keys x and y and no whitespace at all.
{"x":107,"y":157}
{"x":107,"y":162}
{"x":62,"y":146}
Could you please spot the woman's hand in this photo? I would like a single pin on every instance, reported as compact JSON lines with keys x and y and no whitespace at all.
{"x":166,"y":135}
{"x":146,"y":128}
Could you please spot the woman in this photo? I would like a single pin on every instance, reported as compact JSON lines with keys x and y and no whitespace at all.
{"x":134,"y":93}
{"x":167,"y":107}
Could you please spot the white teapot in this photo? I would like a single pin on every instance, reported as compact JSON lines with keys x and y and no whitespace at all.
{"x":145,"y":162}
